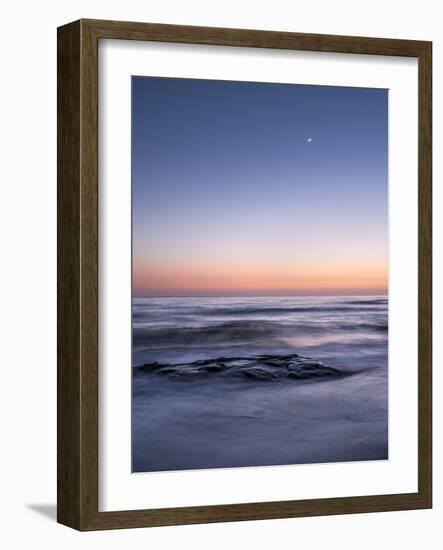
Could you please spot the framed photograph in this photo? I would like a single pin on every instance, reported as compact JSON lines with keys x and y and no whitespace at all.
{"x":244,"y":275}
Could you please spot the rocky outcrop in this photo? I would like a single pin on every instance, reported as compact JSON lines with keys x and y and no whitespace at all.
{"x":256,"y":367}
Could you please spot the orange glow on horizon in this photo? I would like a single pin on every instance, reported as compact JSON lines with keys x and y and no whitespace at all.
{"x":250,"y":280}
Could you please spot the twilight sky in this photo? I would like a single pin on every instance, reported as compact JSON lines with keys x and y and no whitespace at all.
{"x":230,"y":198}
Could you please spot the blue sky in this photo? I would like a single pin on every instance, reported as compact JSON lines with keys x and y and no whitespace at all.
{"x":253,"y":188}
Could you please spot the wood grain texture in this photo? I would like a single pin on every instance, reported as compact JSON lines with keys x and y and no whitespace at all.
{"x":78,"y":270}
{"x":68,"y":275}
{"x":254,"y":38}
{"x":425,"y":273}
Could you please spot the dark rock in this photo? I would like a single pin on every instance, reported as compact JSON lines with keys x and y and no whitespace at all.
{"x":214,"y":367}
{"x":257,"y":367}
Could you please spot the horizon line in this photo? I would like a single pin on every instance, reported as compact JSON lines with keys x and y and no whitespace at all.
{"x":385,"y":294}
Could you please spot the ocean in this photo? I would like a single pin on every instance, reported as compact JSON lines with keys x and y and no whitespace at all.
{"x":231,"y":382}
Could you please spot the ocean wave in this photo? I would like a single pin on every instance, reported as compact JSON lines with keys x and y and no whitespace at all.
{"x":251,"y":310}
{"x":244,"y":331}
{"x":274,"y":310}
{"x":223,"y":332}
{"x":372,"y":301}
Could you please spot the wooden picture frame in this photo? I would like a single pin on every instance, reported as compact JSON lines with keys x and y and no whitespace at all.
{"x":78,"y":274}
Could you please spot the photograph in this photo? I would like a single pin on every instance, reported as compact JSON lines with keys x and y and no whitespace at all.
{"x":259,"y":274}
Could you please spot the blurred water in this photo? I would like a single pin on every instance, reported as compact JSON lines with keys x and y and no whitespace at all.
{"x":215,"y":422}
